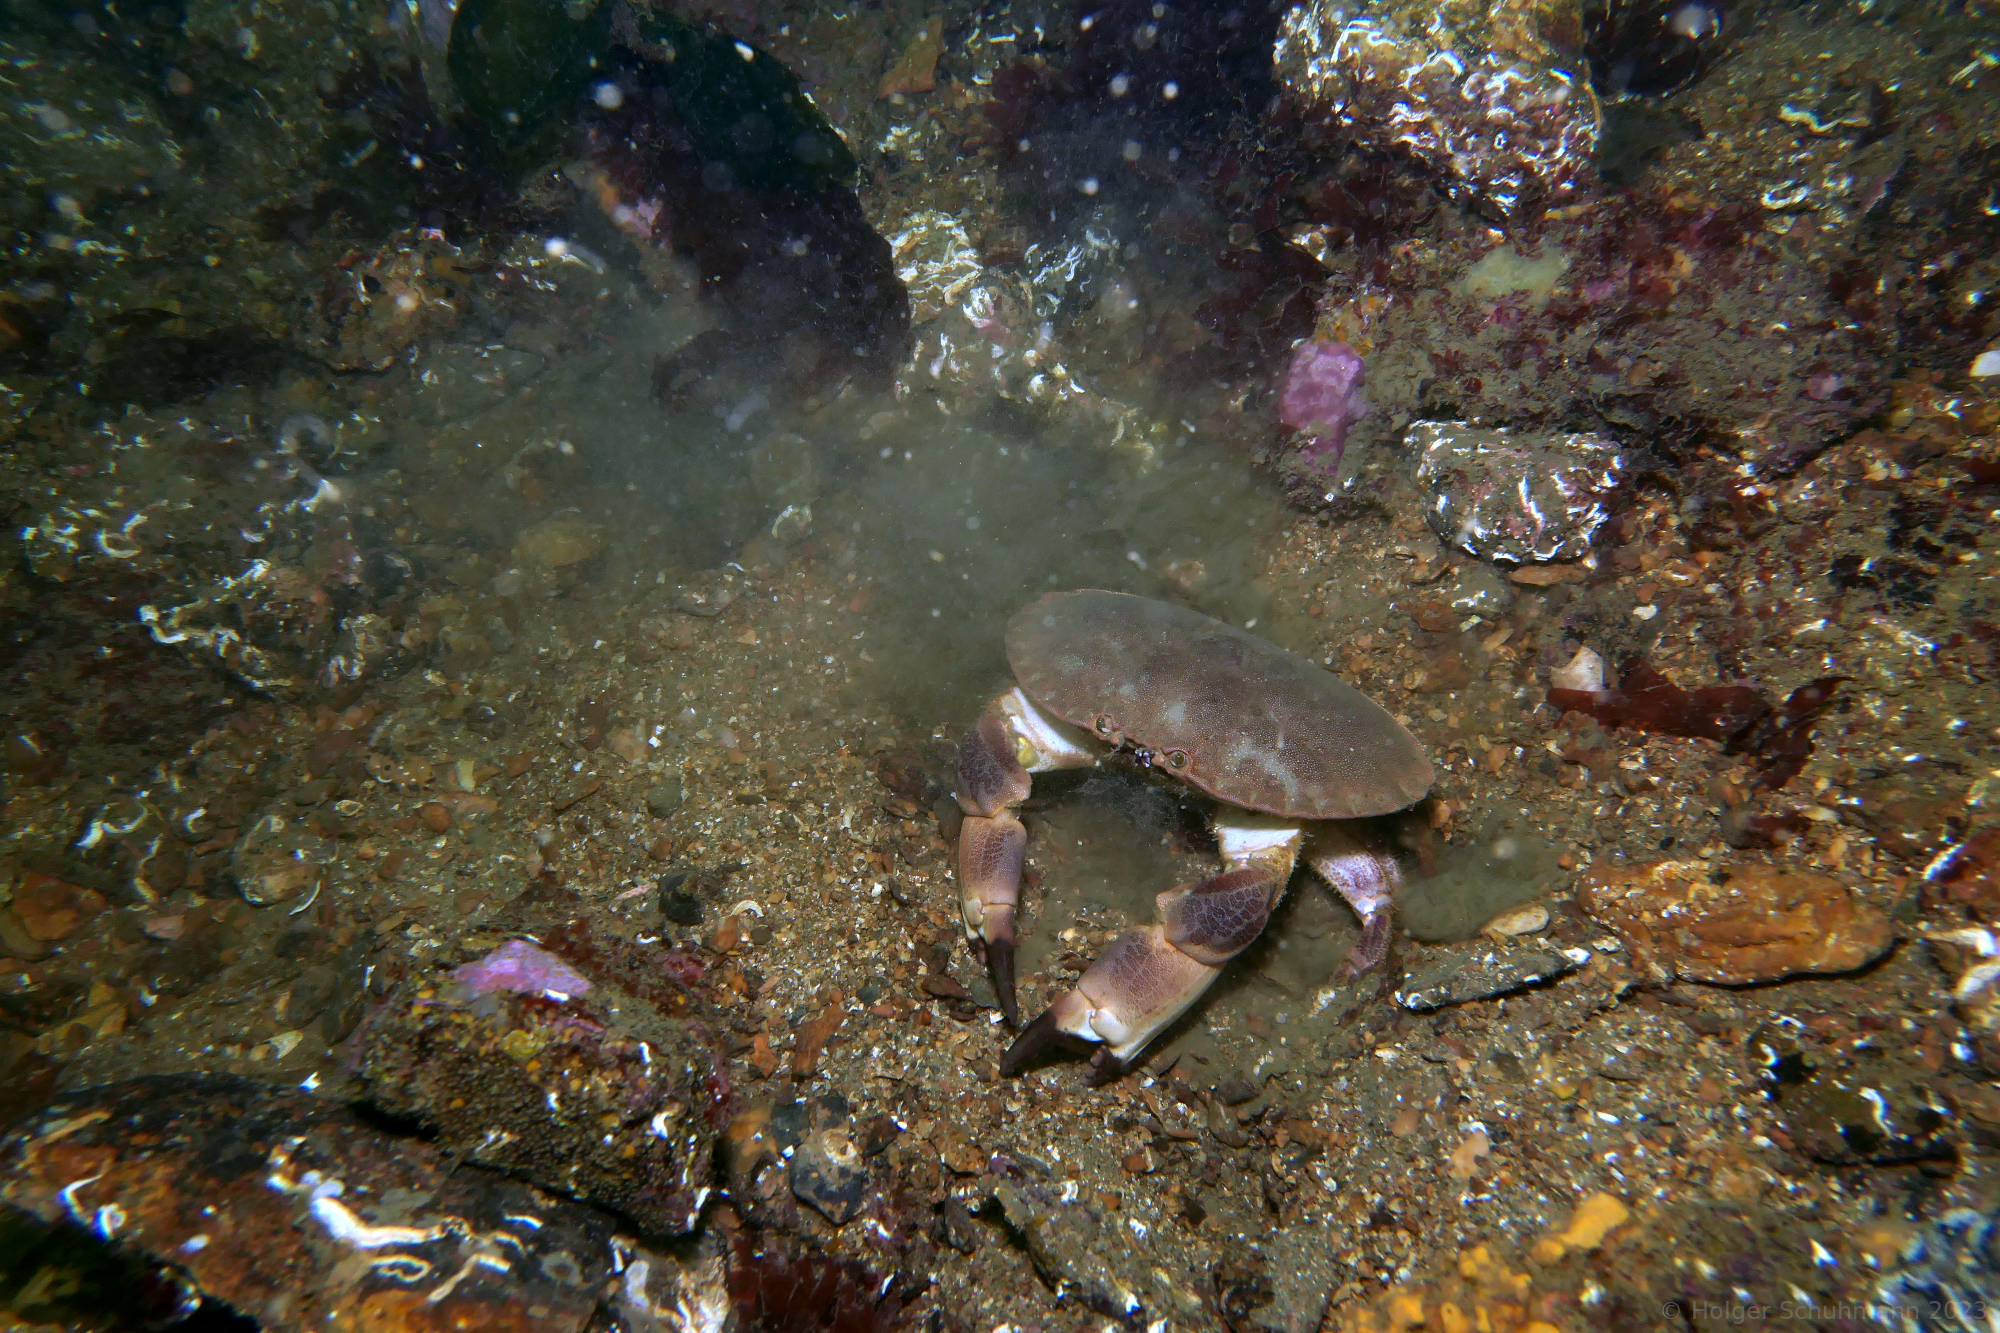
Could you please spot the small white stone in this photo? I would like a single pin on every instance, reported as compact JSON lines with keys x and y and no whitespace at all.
{"x":1987,"y":363}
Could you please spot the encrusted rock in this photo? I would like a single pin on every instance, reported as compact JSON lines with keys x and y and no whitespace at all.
{"x":1948,"y":1265}
{"x":524,"y":1063}
{"x":827,"y":1173}
{"x":1871,"y":1107}
{"x":301,"y":1215}
{"x":1517,"y":496}
{"x":936,"y":261}
{"x":1081,"y":1254}
{"x":1734,"y":924}
{"x":373,"y":309}
{"x":1490,"y":98}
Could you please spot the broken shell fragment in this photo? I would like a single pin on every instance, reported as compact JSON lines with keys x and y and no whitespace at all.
{"x":1523,"y":920}
{"x":1585,"y":671}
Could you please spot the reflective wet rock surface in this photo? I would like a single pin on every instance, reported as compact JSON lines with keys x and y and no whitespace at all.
{"x":515,"y":506}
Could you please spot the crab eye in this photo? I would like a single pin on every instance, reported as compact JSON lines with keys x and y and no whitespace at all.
{"x":1103,"y":725}
{"x":1177,"y":760}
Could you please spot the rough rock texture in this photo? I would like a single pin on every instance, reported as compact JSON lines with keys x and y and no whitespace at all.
{"x":603,"y":1098}
{"x":1870,"y":1105}
{"x":1748,"y":923}
{"x":1516,"y":496}
{"x":302,"y":1216}
{"x":1640,"y":318}
{"x":1486,"y":98}
{"x":1080,"y":1253}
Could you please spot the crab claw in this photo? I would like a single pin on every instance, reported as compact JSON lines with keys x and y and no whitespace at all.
{"x":1012,"y":740}
{"x":1035,"y":1038}
{"x":1147,"y":978}
{"x":1046,"y":1032}
{"x":990,"y":852}
{"x":1366,"y":877}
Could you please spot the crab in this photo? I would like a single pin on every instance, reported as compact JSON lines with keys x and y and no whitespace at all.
{"x":1294,"y":759}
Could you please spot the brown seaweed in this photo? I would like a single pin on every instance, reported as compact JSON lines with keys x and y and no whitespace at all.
{"x":1777,"y":739}
{"x":779,"y":1293}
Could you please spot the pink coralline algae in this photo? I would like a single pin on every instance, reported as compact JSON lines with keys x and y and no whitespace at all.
{"x":522,"y":968}
{"x":1322,"y":396}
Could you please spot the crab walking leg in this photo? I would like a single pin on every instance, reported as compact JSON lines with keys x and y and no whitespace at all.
{"x":1366,"y":878}
{"x":1012,"y":739}
{"x":1148,"y":978}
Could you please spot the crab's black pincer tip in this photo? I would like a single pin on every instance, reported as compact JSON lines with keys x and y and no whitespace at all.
{"x":1035,"y":1038}
{"x":1000,"y":965}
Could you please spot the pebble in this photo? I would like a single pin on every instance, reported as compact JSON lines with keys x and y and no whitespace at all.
{"x":677,"y":904}
{"x":1479,"y":590}
{"x":165,"y":927}
{"x":664,"y":797}
{"x":15,"y":939}
{"x":435,"y":817}
{"x":1076,"y":1248}
{"x":1140,"y":1163}
{"x":1872,"y":1106}
{"x":312,"y":993}
{"x":828,"y":1175}
{"x":465,"y":803}
{"x":51,"y":909}
{"x":1733,"y":924}
{"x":1465,"y":1157}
